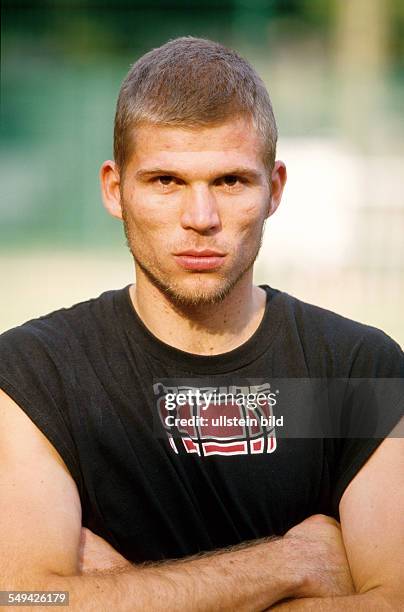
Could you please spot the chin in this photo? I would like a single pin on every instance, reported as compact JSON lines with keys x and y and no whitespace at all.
{"x":192,"y":290}
{"x":199,"y":292}
{"x":196,"y":290}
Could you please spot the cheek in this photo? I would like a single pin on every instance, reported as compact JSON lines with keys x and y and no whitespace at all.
{"x":147,"y":219}
{"x":150,"y":230}
{"x":247,"y":219}
{"x":256,"y":207}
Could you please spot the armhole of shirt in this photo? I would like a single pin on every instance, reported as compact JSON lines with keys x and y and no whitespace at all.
{"x":46,"y":428}
{"x":360,"y":458}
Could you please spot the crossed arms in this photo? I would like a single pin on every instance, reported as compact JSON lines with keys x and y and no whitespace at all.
{"x":316,"y":565}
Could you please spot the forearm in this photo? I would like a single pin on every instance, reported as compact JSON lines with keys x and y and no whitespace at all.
{"x":375,"y":600}
{"x":249,"y":578}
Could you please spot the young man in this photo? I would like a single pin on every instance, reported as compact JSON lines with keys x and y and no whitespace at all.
{"x":101,"y":473}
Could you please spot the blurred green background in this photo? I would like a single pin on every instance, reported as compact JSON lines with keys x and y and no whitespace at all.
{"x":335,"y":73}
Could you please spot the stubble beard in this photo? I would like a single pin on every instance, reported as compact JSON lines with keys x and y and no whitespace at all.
{"x":199,"y":296}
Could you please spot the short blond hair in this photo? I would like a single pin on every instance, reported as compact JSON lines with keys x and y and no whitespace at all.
{"x":191,"y":82}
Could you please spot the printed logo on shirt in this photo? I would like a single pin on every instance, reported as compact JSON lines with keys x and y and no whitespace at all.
{"x":218,"y":421}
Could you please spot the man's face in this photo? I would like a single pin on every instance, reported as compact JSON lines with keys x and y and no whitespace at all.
{"x":194,"y":204}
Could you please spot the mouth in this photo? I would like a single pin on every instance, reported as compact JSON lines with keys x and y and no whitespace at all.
{"x":200,"y":260}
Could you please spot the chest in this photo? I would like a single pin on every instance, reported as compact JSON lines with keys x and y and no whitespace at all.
{"x":159,"y":503}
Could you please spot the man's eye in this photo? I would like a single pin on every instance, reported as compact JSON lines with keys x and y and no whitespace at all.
{"x":165,"y":180}
{"x":231,"y":180}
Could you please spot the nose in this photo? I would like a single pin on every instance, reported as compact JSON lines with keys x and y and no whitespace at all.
{"x":200,"y":210}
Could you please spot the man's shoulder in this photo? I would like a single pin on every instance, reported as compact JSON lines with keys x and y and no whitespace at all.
{"x":64,"y":323}
{"x":328,"y":322}
{"x":341,"y":338}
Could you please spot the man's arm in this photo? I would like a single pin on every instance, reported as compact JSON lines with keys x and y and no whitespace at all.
{"x":371,"y":511}
{"x":40,"y":527}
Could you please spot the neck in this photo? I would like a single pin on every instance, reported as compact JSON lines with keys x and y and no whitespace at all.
{"x":203,"y":330}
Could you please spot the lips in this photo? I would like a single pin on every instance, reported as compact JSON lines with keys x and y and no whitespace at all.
{"x":201,"y":253}
{"x":206,"y":259}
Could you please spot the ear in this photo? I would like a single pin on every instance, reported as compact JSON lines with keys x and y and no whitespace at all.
{"x":110,"y":188}
{"x":278,"y":181}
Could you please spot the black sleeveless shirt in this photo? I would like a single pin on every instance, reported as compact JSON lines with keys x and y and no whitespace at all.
{"x":93,"y":378}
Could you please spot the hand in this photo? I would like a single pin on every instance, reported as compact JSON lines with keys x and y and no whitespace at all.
{"x":96,"y":555}
{"x":320,"y":545}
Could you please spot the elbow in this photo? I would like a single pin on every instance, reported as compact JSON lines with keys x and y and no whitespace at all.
{"x":37,"y":581}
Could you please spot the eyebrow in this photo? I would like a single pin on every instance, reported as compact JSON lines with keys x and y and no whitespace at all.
{"x":240,"y":171}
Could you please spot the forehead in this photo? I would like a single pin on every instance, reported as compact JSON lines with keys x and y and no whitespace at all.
{"x":232,"y":142}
